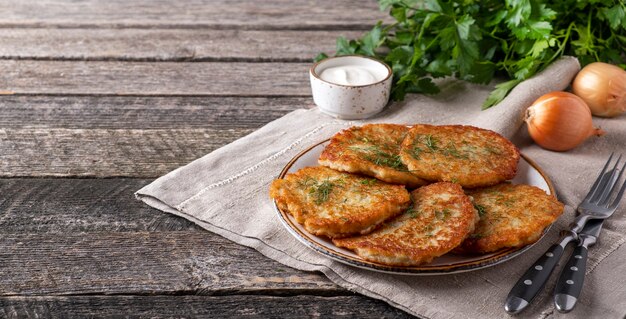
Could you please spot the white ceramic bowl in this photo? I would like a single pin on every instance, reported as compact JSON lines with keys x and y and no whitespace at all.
{"x":351,"y":102}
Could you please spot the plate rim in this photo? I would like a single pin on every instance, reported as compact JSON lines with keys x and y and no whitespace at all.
{"x":496,"y":257}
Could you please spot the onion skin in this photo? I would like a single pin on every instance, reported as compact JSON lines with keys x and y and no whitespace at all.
{"x":560,"y":121}
{"x":603,"y":87}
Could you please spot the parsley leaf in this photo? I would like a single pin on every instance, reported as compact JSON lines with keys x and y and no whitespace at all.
{"x":499,"y":93}
{"x":477,"y":40}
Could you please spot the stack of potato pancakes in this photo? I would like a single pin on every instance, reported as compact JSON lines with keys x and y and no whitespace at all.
{"x":460,"y":201}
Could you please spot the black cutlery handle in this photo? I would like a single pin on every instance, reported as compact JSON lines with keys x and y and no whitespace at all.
{"x":533,"y":281}
{"x":571,"y":280}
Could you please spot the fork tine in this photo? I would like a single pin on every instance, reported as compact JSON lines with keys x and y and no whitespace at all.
{"x":603,"y":199}
{"x":618,"y":198}
{"x":594,"y":188}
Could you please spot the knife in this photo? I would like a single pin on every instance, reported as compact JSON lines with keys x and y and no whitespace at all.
{"x":570,"y":282}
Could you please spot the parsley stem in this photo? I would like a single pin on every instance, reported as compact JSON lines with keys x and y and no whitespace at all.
{"x":559,"y":52}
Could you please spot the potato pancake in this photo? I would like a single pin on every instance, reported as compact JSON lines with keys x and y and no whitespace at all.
{"x":510,"y":216}
{"x":470,"y":156}
{"x":439,"y":220}
{"x":336,"y":204}
{"x":373,"y":150}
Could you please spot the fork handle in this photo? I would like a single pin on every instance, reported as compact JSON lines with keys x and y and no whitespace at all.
{"x":572,"y":277}
{"x":535,"y":278}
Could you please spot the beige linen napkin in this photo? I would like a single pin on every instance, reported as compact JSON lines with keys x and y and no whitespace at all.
{"x":226,"y":192}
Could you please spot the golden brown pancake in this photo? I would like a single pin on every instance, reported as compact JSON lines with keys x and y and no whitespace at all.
{"x":470,"y":156}
{"x":373,"y":150}
{"x":441,"y":217}
{"x":510,"y":216}
{"x":337,"y":204}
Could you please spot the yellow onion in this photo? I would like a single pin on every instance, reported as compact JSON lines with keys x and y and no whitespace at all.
{"x":560,"y":121}
{"x":603,"y":87}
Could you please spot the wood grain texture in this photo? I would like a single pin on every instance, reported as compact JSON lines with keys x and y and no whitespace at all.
{"x":106,"y":152}
{"x":59,"y":206}
{"x":145,"y":263}
{"x":146,"y":78}
{"x":196,"y":307}
{"x":294,"y":14}
{"x":168,"y":44}
{"x":139,"y":112}
{"x":106,"y":136}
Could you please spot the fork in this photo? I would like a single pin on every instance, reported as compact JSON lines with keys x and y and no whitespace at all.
{"x":595,"y":205}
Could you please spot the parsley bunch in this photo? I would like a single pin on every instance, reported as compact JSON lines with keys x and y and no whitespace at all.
{"x":475,"y":39}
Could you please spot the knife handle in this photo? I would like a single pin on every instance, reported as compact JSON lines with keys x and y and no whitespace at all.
{"x":533,"y":281}
{"x":571,"y":280}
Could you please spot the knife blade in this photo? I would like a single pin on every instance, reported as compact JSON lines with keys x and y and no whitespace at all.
{"x":572,"y":277}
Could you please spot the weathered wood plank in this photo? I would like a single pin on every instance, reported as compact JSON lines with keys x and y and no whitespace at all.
{"x":124,"y":112}
{"x":147,"y":78}
{"x":58,"y":206}
{"x":84,"y":236}
{"x":294,"y":14}
{"x":106,"y":136}
{"x":168,"y":44}
{"x":196,"y":307}
{"x":175,"y":262}
{"x":106,"y":153}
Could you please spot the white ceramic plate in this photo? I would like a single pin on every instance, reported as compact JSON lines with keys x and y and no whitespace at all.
{"x":527,"y":173}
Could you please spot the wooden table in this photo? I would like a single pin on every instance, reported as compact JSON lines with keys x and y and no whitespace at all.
{"x":99,"y":98}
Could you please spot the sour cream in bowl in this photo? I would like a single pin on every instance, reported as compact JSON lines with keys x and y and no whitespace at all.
{"x":350,"y":87}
